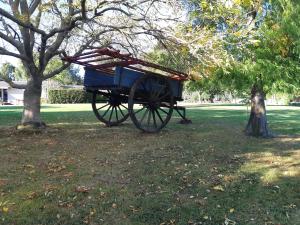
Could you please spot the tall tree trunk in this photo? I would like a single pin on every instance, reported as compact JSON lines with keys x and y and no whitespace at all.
{"x":257,"y":124}
{"x":211,"y":98}
{"x":32,"y":104}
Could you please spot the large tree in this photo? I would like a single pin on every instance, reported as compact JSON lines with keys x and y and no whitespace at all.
{"x":38,"y":31}
{"x":246,"y":46}
{"x":269,"y":63}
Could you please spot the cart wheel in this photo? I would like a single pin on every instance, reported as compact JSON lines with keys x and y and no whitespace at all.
{"x":151,"y":103}
{"x":109,"y":109}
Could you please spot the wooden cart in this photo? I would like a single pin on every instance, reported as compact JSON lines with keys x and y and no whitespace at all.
{"x":122,"y":88}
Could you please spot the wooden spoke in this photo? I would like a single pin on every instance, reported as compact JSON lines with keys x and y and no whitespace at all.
{"x":116,"y":113}
{"x":164,"y":96}
{"x":136,"y":112}
{"x":102,"y":107}
{"x":163,"y":111}
{"x":106,"y":111}
{"x":124,"y":106}
{"x":159,"y":116}
{"x":121,"y":110}
{"x":154,"y":120}
{"x":158,"y":93}
{"x":111,"y":113}
{"x":149,"y":118}
{"x":144,"y":115}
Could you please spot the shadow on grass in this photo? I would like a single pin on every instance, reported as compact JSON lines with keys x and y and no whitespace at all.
{"x":257,"y":186}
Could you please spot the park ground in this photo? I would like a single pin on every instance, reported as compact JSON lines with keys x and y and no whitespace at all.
{"x":78,"y":171}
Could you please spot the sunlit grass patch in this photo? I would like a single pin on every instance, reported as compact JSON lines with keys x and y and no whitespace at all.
{"x":273,"y":166}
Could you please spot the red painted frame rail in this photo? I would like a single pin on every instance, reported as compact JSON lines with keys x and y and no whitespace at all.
{"x":105,"y":59}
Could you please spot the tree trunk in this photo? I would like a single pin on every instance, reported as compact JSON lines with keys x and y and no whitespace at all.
{"x":211,"y":98}
{"x":257,"y":124}
{"x":199,"y":97}
{"x":32,"y":104}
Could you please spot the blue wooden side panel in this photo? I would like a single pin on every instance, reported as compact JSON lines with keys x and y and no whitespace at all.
{"x":125,"y":77}
{"x":177,"y":87}
{"x":94,"y":78}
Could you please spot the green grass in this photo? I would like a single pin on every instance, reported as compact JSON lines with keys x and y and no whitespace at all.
{"x":207,"y":172}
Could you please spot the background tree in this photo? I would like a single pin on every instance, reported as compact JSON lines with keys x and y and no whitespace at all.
{"x":46,"y":29}
{"x":243,"y":47}
{"x":270,"y":62}
{"x":66,"y":77}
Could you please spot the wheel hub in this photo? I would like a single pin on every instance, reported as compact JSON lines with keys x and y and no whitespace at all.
{"x":153,"y":104}
{"x":113,"y":101}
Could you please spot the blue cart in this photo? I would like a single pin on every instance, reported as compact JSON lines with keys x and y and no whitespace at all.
{"x":120,"y":90}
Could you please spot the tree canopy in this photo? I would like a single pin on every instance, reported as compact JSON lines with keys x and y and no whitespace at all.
{"x":233,"y":44}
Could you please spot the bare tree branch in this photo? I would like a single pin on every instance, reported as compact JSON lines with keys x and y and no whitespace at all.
{"x":11,"y":83}
{"x":33,"y":5}
{"x":12,"y":41}
{"x":5,"y":26}
{"x":100,"y":13}
{"x":3,"y":51}
{"x":21,"y":23}
{"x":25,"y":31}
{"x":83,"y":9}
{"x":57,"y":71}
{"x":67,"y":27}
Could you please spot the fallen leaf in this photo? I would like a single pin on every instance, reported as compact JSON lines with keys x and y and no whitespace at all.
{"x":5,"y":209}
{"x":31,"y":195}
{"x":133,"y":209}
{"x":70,"y":174}
{"x":3,"y":182}
{"x":82,"y":189}
{"x":219,"y":188}
{"x":29,"y":166}
{"x":229,"y":222}
{"x":92,"y":212}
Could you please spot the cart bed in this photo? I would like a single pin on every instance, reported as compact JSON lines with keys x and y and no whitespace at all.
{"x":123,"y":78}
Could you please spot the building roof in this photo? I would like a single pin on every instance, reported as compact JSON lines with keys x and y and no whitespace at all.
{"x":5,"y":85}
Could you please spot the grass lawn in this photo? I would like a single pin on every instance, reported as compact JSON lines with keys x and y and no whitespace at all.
{"x":208,"y":172}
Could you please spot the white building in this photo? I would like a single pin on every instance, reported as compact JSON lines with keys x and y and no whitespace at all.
{"x":14,"y":96}
{"x":9,"y":95}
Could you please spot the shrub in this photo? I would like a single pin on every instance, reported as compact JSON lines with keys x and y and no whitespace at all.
{"x":61,"y":96}
{"x":294,"y":103}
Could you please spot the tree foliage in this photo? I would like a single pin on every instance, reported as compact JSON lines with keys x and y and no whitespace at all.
{"x":273,"y":57}
{"x":235,"y":44}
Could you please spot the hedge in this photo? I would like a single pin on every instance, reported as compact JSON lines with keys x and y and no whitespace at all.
{"x":72,"y":96}
{"x":294,"y":103}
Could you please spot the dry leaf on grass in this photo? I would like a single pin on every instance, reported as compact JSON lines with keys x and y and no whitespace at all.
{"x":67,"y":175}
{"x":5,"y":209}
{"x":31,"y":195}
{"x":3,"y":182}
{"x":219,"y":188}
{"x":82,"y":189}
